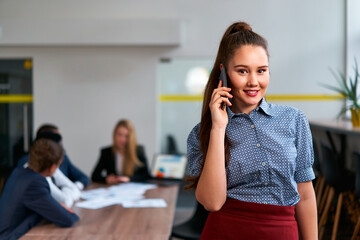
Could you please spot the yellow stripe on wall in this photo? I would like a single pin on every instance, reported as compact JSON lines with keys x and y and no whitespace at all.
{"x":16,"y":98}
{"x":180,"y":98}
{"x":302,"y":97}
{"x":270,"y":97}
{"x":5,"y":98}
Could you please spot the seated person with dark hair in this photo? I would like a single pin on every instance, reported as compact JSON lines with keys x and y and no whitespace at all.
{"x":66,"y":167}
{"x":61,"y":187}
{"x":26,"y":198}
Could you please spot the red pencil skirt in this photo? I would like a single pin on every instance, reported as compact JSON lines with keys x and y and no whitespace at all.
{"x":246,"y":220}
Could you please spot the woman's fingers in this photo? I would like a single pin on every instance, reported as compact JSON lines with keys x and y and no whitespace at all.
{"x":218,"y":99}
{"x":227,"y":101}
{"x":223,"y":91}
{"x":220,"y":93}
{"x":220,"y":84}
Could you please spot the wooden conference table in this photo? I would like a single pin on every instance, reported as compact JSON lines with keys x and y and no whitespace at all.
{"x":116,"y":222}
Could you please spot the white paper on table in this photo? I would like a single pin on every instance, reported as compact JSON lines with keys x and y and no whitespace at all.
{"x":145,"y":203}
{"x":106,"y":201}
{"x":96,"y":203}
{"x":123,"y":189}
{"x":94,"y":193}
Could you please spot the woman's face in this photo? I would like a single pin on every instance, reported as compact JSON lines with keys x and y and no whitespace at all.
{"x":121,"y":137}
{"x":249,"y":75}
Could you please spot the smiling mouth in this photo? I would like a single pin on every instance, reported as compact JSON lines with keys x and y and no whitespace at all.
{"x":251,"y":93}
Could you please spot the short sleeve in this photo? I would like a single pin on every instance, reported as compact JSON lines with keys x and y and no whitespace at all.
{"x":194,"y":155}
{"x":305,"y":152}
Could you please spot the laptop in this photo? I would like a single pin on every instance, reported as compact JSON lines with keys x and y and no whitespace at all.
{"x":168,"y":169}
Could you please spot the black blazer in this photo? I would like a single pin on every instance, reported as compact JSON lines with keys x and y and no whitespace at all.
{"x":107,"y":163}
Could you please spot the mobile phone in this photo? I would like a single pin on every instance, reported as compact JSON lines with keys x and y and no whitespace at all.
{"x":223,"y":78}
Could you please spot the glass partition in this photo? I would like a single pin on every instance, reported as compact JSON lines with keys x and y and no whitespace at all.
{"x":180,"y":92}
{"x":16,"y":119}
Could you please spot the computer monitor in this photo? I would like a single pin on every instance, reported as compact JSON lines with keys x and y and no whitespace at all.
{"x":167,"y":166}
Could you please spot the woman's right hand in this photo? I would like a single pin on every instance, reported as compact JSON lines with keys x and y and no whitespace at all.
{"x":219,"y":98}
{"x":122,"y":179}
{"x":111,"y":179}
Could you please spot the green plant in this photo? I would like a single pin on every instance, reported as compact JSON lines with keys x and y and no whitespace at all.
{"x":348,"y":89}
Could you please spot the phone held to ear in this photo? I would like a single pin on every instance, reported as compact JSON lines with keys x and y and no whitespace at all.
{"x":223,"y":78}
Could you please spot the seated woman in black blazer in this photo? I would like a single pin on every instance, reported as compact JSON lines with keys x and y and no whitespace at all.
{"x":124,"y":161}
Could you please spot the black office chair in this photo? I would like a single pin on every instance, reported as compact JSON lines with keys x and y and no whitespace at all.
{"x":192,"y":228}
{"x":356,"y":158}
{"x":316,"y":164}
{"x":338,"y":180}
{"x":171,"y":146}
{"x":319,"y":181}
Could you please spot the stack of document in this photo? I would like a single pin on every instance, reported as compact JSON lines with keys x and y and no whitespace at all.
{"x":130,"y":195}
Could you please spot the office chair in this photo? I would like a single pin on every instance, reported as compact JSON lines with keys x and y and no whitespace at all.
{"x":338,"y":180}
{"x":171,"y":147}
{"x":319,"y":181}
{"x":356,"y":158}
{"x":192,"y":228}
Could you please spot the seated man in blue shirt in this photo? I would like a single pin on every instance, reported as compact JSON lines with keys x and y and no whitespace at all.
{"x":26,"y":198}
{"x":66,"y":167}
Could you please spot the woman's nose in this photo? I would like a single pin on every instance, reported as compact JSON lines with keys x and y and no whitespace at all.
{"x":252,"y":80}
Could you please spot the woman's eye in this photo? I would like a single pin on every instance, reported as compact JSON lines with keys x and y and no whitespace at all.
{"x":242,"y":71}
{"x":262,"y":70}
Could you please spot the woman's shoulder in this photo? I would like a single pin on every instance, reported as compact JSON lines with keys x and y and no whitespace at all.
{"x":195,"y":130}
{"x":140,"y":152}
{"x":194,"y":134}
{"x":106,"y":150}
{"x":276,"y":109}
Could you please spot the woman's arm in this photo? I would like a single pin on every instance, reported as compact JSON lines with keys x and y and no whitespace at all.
{"x":141,"y":173}
{"x":97,"y":176}
{"x":211,"y":188}
{"x":212,"y":185}
{"x":306,"y":212}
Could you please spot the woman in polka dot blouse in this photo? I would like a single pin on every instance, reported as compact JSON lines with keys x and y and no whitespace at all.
{"x":251,"y":161}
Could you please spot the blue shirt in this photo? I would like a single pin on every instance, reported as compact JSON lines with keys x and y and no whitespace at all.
{"x":270,"y":152}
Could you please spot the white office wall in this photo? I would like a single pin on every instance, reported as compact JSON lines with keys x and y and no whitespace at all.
{"x":353,"y":35}
{"x":86,"y":90}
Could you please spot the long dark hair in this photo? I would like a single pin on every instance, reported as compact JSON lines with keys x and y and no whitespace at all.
{"x":237,"y":35}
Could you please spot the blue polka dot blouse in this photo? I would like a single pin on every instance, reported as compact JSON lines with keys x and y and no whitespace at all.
{"x":270,"y":152}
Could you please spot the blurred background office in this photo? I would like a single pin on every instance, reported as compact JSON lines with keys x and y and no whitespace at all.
{"x":85,"y":64}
